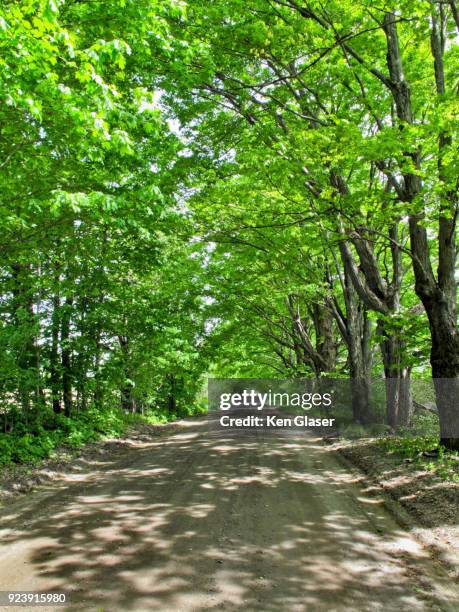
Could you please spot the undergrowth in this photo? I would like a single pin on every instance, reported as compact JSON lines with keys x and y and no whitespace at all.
{"x":37,"y":438}
{"x":427,"y":453}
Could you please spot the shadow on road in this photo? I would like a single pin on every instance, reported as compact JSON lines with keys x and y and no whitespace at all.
{"x":202,"y":521}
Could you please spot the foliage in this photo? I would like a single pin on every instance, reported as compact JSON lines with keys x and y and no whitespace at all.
{"x":96,"y":253}
{"x":427,"y":453}
{"x":251,"y":189}
{"x":38,"y":439}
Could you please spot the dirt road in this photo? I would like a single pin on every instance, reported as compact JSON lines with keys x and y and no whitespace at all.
{"x":194,"y":521}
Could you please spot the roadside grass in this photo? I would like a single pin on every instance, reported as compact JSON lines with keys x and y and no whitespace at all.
{"x":425,"y":452}
{"x":44,"y":433}
{"x":418,"y":445}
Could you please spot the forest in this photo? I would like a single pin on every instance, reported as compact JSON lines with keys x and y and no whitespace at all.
{"x":262,"y":189}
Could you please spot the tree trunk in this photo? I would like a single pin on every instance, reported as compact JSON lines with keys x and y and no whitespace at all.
{"x":95,"y":334}
{"x":359,"y":371}
{"x":172,"y":394}
{"x":54,"y":358}
{"x":438,"y":295}
{"x":325,"y":336}
{"x":127,"y":399}
{"x":442,"y":309}
{"x":66,"y":358}
{"x":128,"y":403}
{"x":382,"y":296}
{"x":399,"y":404}
{"x":444,"y":358}
{"x":24,"y":319}
{"x":355,"y":331}
{"x":319,"y":353}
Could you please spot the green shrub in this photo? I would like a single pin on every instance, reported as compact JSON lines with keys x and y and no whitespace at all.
{"x":37,"y":438}
{"x":6,"y":449}
{"x":444,"y":463}
{"x":30,"y":448}
{"x":410,"y":446}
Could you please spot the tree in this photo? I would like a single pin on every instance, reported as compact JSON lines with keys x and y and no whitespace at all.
{"x":324,"y":90}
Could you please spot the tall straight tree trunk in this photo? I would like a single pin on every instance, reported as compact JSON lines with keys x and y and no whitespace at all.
{"x":172,"y":396}
{"x":55,"y":379}
{"x":127,"y":397}
{"x":358,"y":344}
{"x":82,"y":359}
{"x":66,"y":357}
{"x":40,"y":400}
{"x":97,"y":373}
{"x":24,"y":319}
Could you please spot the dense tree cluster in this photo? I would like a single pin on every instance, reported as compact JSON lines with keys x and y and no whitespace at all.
{"x":330,"y":136}
{"x":262,"y":188}
{"x":102,"y":298}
